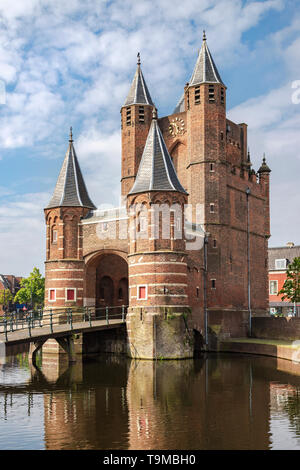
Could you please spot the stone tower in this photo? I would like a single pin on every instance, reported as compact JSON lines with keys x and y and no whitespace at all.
{"x":157,"y":320}
{"x":64,"y":270}
{"x":136,"y":116}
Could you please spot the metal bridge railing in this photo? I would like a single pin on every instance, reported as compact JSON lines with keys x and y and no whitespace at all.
{"x":41,"y":318}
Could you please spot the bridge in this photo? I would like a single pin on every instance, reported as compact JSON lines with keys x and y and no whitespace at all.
{"x":62,"y":325}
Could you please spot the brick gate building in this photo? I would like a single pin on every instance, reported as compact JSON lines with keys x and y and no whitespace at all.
{"x":194,"y":155}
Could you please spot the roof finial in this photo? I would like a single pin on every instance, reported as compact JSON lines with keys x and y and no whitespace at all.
{"x":204,"y":35}
{"x":264,"y":158}
{"x":71,"y":135}
{"x":154,"y":114}
{"x":248,"y":155}
{"x":138,"y":58}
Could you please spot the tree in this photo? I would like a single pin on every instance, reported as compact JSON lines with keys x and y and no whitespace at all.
{"x":32,"y":289}
{"x":291,"y":287}
{"x":5,"y":297}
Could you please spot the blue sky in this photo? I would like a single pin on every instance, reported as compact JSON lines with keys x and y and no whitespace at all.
{"x":71,"y":64}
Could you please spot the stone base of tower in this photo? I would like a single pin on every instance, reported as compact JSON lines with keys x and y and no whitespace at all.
{"x":159,"y":333}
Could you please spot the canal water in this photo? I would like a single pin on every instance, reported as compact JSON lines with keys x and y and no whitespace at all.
{"x":110,"y":402}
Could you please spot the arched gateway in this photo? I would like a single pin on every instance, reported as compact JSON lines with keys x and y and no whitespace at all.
{"x":106,"y":280}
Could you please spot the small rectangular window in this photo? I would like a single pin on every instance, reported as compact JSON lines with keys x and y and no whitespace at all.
{"x":141,"y":114}
{"x":128,"y":116}
{"x":212,"y":208}
{"x":213,"y":283}
{"x":211,"y":167}
{"x":273,"y":287}
{"x":211,"y":93}
{"x":70,"y":294}
{"x":197,"y":94}
{"x":197,"y":291}
{"x":52,"y":295}
{"x":142,"y":292}
{"x":214,"y":243}
{"x":54,"y":236}
{"x":280,"y":263}
{"x":222,"y":96}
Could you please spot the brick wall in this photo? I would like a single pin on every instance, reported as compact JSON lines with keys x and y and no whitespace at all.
{"x":276,"y":328}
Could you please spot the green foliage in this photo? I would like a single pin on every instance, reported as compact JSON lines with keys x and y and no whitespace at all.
{"x":34,"y":284}
{"x":291,"y":287}
{"x":5,"y":297}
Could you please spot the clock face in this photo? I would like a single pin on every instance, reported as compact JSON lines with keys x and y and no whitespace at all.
{"x":176,"y":127}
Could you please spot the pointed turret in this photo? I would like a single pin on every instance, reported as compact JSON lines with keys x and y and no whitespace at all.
{"x":138,"y":93}
{"x":70,"y":189}
{"x":156,"y":171}
{"x":205,"y":70}
{"x":264,"y":167}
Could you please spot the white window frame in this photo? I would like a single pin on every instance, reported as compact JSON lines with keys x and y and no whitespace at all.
{"x":138,"y":292}
{"x":49,"y":290}
{"x":211,"y":167}
{"x":212,"y":208}
{"x":66,"y":297}
{"x":276,"y":283}
{"x":280,"y":267}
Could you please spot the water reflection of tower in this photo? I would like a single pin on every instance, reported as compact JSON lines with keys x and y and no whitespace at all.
{"x":219,"y":404}
{"x":84,"y":413}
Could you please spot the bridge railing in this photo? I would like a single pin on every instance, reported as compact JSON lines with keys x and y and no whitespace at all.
{"x":51,"y":318}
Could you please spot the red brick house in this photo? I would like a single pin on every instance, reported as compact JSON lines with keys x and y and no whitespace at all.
{"x":193,"y":156}
{"x":279,"y":259}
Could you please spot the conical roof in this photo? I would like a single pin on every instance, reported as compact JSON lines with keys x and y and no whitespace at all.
{"x":138,"y":93}
{"x":156,"y":171}
{"x":205,"y":70}
{"x":70,"y":189}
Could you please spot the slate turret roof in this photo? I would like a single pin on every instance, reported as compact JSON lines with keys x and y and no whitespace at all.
{"x":205,"y":70}
{"x":70,"y":189}
{"x":156,"y":171}
{"x":138,"y":93}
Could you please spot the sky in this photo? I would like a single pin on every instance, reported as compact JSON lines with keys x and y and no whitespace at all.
{"x":71,"y":63}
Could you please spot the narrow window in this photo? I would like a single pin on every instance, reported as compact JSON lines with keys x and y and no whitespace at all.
{"x":222,"y":96}
{"x":213,"y":283}
{"x":70,"y":294}
{"x":142,"y":292}
{"x":214,"y":243}
{"x":273,"y":287}
{"x":197,"y":94}
{"x":120,"y":293}
{"x":54,"y":235}
{"x":52,"y":295}
{"x":128,"y":116}
{"x":141,"y":114}
{"x":212,"y":208}
{"x":211,"y":167}
{"x":222,"y":135}
{"x":211,"y":93}
{"x":197,"y":291}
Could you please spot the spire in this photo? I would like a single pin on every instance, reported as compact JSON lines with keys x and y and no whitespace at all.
{"x":156,"y":171}
{"x":138,"y":93}
{"x":70,"y":189}
{"x":264,"y":167}
{"x":205,"y":70}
